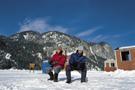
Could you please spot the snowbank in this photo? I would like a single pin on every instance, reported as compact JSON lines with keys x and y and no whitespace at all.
{"x":122,"y":73}
{"x":97,"y":80}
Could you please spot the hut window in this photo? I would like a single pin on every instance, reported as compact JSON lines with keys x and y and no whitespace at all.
{"x":112,"y":65}
{"x":126,"y":56}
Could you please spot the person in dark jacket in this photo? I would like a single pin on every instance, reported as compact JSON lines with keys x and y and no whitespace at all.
{"x":77,"y":61}
{"x":57,"y":61}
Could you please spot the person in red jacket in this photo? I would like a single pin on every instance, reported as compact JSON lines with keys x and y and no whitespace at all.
{"x":57,"y":61}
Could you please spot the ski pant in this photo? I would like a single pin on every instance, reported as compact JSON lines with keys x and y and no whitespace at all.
{"x":56,"y":69}
{"x":82,"y":68}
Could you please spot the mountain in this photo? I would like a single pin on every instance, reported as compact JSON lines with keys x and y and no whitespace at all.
{"x":32,"y":47}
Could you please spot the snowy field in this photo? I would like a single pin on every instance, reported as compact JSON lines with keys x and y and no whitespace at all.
{"x":97,"y":80}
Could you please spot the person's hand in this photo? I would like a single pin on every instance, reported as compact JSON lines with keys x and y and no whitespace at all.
{"x":54,"y":62}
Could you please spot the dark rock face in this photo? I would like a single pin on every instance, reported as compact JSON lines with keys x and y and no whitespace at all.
{"x":27,"y":47}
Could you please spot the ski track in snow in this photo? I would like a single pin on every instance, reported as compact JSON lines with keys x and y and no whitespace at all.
{"x":97,"y":80}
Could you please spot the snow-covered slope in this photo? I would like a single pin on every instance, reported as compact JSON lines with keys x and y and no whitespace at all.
{"x":97,"y":80}
{"x":32,"y":47}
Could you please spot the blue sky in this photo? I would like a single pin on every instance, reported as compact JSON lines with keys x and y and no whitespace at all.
{"x":112,"y":21}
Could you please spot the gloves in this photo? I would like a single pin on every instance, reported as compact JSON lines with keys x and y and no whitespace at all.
{"x":54,"y":62}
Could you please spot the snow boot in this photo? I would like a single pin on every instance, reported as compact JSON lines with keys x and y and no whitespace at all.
{"x":83,"y":81}
{"x":51,"y":76}
{"x":55,"y":77}
{"x":68,"y":81}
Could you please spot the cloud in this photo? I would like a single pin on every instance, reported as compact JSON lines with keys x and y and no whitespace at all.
{"x":40,"y":25}
{"x":89,"y":32}
{"x":110,"y":38}
{"x":123,"y":35}
{"x":58,"y":28}
{"x":99,"y":38}
{"x":115,"y":40}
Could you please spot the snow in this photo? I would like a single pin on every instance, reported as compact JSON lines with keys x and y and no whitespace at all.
{"x":97,"y":80}
{"x":26,"y":36}
{"x":69,"y":53}
{"x":44,"y":36}
{"x":8,"y":55}
{"x":44,"y":48}
{"x":126,"y":47}
{"x":93,"y":53}
{"x":39,"y":55}
{"x":121,"y":73}
{"x":24,"y":47}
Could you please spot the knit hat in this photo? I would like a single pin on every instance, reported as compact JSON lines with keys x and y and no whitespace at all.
{"x":80,"y":48}
{"x":60,"y":48}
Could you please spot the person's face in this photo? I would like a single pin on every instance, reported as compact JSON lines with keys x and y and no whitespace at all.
{"x":58,"y":51}
{"x":80,"y":51}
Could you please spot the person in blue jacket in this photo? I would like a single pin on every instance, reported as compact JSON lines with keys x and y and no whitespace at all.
{"x":77,"y":61}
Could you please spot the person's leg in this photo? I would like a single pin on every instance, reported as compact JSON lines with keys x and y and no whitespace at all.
{"x":50,"y":73}
{"x":83,"y":75}
{"x":57,"y":69}
{"x":83,"y":72}
{"x":68,"y":74}
{"x":55,"y":77}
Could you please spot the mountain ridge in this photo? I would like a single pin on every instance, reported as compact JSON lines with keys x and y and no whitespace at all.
{"x":30,"y":46}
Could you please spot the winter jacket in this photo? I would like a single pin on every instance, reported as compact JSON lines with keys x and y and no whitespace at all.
{"x":77,"y":61}
{"x":58,"y":60}
{"x":77,"y":58}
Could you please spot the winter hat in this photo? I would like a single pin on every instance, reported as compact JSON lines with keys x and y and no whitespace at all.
{"x":80,"y":48}
{"x":60,"y":48}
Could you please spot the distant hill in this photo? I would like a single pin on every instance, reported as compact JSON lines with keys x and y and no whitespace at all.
{"x":22,"y":48}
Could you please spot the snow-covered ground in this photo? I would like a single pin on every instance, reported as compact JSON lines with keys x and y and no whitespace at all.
{"x":97,"y":80}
